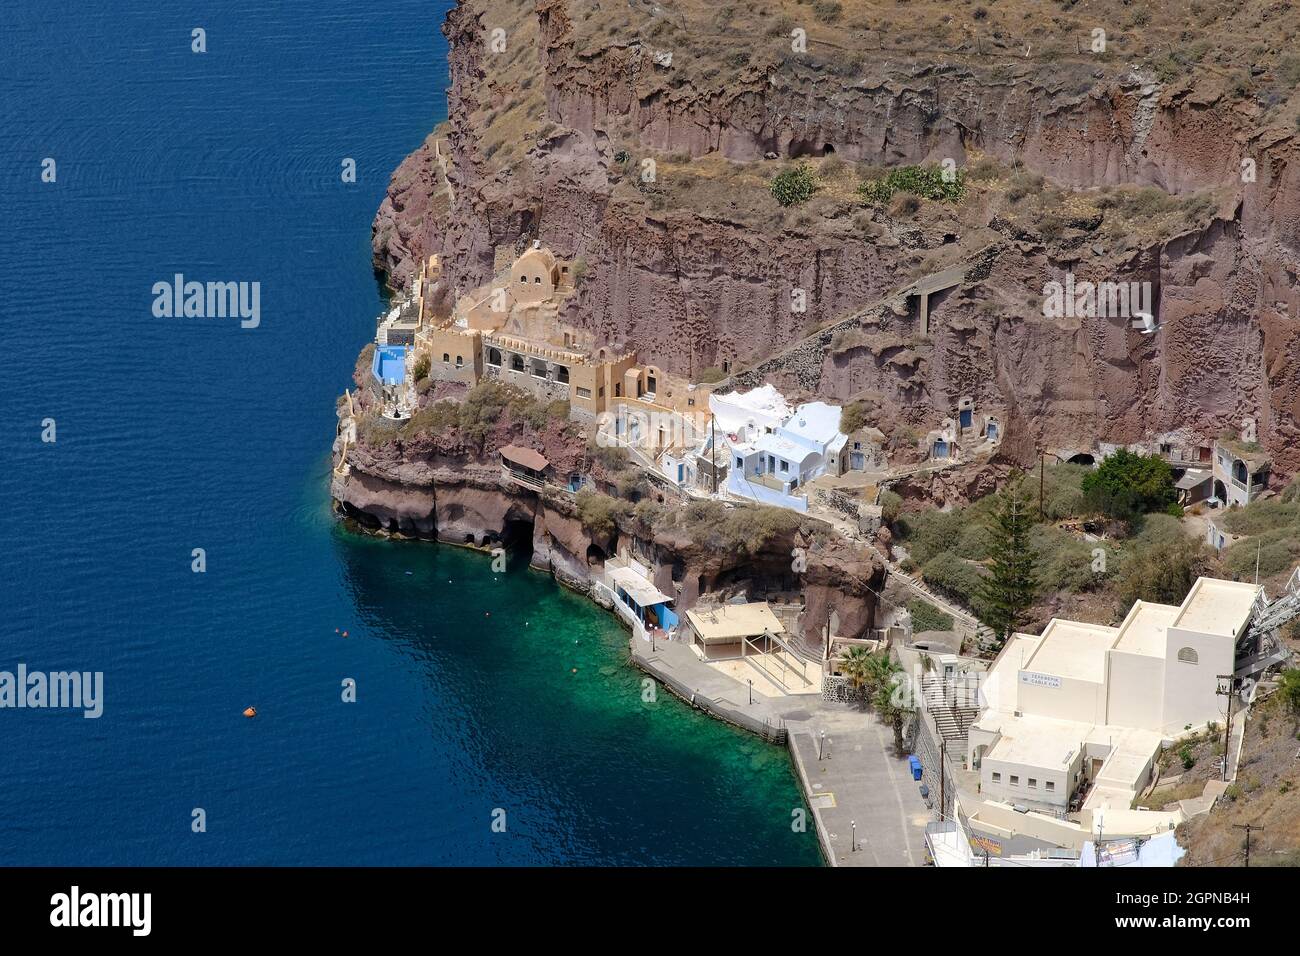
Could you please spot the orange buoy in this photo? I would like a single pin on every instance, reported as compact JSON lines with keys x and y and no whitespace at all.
{"x":250,"y":712}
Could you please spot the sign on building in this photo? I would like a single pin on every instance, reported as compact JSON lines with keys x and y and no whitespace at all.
{"x":1039,"y":680}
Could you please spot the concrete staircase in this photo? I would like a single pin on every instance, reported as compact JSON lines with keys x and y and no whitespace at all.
{"x":952,"y":716}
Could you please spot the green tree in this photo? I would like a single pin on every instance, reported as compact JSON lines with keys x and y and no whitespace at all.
{"x":794,"y":185}
{"x":1288,"y":690}
{"x":892,"y":708}
{"x":1126,"y":485}
{"x":854,"y":665}
{"x":1003,"y":597}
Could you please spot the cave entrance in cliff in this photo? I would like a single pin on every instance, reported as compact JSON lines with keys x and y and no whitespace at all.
{"x":596,"y":556}
{"x":517,"y":539}
{"x":1083,"y":458}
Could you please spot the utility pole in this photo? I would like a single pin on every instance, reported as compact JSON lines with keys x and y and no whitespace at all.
{"x":1227,"y":724}
{"x":1248,"y":827}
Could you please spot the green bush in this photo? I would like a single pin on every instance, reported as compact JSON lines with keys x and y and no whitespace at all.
{"x":1127,"y":485}
{"x":927,"y":182}
{"x":951,"y":575}
{"x":1160,"y":570}
{"x":891,"y":506}
{"x":854,"y":416}
{"x":746,"y":530}
{"x":599,"y":513}
{"x":793,"y":185}
{"x":422,"y":366}
{"x":927,"y":617}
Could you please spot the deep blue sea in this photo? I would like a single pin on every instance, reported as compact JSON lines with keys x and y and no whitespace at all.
{"x":475,"y":692}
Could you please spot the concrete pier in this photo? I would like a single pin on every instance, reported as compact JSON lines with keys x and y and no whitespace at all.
{"x":849,"y":775}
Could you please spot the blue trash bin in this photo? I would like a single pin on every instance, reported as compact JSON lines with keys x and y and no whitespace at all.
{"x":914,"y":762}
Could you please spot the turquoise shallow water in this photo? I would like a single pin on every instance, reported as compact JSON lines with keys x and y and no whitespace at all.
{"x":175,"y":434}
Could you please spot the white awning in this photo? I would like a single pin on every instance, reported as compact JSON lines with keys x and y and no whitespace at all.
{"x":638,"y":588}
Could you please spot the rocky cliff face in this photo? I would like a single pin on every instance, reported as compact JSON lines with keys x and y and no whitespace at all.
{"x":693,"y":269}
{"x":468,"y":504}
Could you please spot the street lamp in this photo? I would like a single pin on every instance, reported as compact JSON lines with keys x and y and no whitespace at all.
{"x":853,"y":836}
{"x":751,"y":691}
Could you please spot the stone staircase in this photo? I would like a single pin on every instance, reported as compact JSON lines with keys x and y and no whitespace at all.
{"x":950,"y":706}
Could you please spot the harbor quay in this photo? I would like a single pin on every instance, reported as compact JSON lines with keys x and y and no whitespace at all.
{"x":866,"y":808}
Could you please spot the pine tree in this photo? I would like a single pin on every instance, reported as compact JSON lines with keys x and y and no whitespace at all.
{"x":1007,"y":593}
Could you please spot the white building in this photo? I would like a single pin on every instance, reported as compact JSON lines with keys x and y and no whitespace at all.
{"x":1240,"y":472}
{"x":770,"y":462}
{"x":1073,"y":720}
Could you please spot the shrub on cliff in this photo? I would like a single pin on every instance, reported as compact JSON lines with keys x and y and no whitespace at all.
{"x":828,"y":11}
{"x":854,"y":416}
{"x":612,"y":458}
{"x":793,"y":185}
{"x":927,"y":182}
{"x":599,"y":513}
{"x":1163,"y":572}
{"x":927,"y":617}
{"x":1126,"y":486}
{"x":746,"y":529}
{"x":421,"y":368}
{"x":432,"y":419}
{"x":949,"y":574}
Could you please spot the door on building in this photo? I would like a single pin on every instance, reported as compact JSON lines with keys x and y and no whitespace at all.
{"x":857,"y":461}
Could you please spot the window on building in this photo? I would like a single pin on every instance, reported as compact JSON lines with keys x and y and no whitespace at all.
{"x":1033,"y":783}
{"x":539,"y":370}
{"x":459,"y":361}
{"x":562,"y":375}
{"x":997,"y":777}
{"x":446,"y":357}
{"x":537,"y":280}
{"x":1188,"y":655}
{"x":601,"y":392}
{"x":1015,"y":781}
{"x":523,"y":280}
{"x":517,"y":363}
{"x":740,"y":463}
{"x":785,"y":466}
{"x":583,"y":392}
{"x":494,"y":357}
{"x":1050,"y":785}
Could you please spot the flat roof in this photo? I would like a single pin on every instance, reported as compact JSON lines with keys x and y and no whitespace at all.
{"x":639,"y":589}
{"x":1143,"y":631}
{"x":1217,"y":607}
{"x":1073,"y":649}
{"x":1039,"y":742}
{"x":816,"y":421}
{"x":731,"y":622}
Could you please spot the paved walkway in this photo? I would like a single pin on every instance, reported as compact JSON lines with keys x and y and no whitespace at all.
{"x":857,"y":778}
